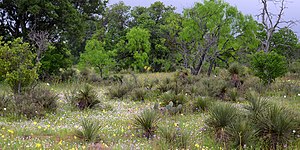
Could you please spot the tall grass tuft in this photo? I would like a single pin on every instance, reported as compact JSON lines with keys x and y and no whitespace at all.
{"x":90,"y":130}
{"x":147,"y":121}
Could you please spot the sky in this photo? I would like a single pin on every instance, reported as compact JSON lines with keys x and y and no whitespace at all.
{"x":250,"y":7}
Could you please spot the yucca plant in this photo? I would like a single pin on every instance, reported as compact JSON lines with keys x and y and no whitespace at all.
{"x":89,"y":131}
{"x":275,"y":126}
{"x":147,"y":121}
{"x":201,"y":104}
{"x":86,"y":98}
{"x":220,"y":116}
{"x":256,"y":104}
{"x":175,"y":137}
{"x":241,"y":133}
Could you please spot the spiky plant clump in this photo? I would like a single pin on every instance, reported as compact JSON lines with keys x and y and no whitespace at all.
{"x":241,"y":133}
{"x":275,"y":126}
{"x":201,"y":104}
{"x":86,"y":98}
{"x":256,"y":104}
{"x":175,"y":137}
{"x":147,"y":121}
{"x":221,"y":115}
{"x":90,"y":130}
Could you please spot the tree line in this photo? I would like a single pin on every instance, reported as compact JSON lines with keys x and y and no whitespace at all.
{"x":111,"y":38}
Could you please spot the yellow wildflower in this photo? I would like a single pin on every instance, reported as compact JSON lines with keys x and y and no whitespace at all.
{"x":11,"y":131}
{"x":34,"y":123}
{"x":38,"y":145}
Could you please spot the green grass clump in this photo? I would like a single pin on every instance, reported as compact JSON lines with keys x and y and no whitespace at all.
{"x":147,"y":121}
{"x":90,"y":130}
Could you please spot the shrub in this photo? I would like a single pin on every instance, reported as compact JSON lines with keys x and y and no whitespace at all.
{"x":257,"y":105}
{"x":35,"y":102}
{"x":275,"y":126}
{"x":120,"y":90}
{"x":16,"y":64}
{"x":6,"y":104}
{"x":235,"y":68}
{"x":221,"y":115}
{"x":268,"y":66}
{"x":201,"y":104}
{"x":167,"y":85}
{"x":175,"y":137}
{"x":147,"y":121}
{"x":233,"y":94}
{"x":212,"y":86}
{"x":166,"y":98}
{"x":241,"y":133}
{"x":90,"y":130}
{"x":86,"y":98}
{"x":138,"y":94}
{"x":295,"y":67}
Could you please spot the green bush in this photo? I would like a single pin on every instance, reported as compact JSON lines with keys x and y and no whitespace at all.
{"x":147,"y":121}
{"x":85,"y":98}
{"x":212,"y":86}
{"x":138,"y":94}
{"x":166,"y":98}
{"x":295,"y":67}
{"x":221,"y":115}
{"x":120,"y":90}
{"x":275,"y":126}
{"x":176,"y":138}
{"x":16,"y":64}
{"x":268,"y":66}
{"x":241,"y":133}
{"x":201,"y":104}
{"x":36,"y":102}
{"x":90,"y":130}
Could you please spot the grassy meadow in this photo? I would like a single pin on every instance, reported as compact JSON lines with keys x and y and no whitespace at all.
{"x":185,"y":110}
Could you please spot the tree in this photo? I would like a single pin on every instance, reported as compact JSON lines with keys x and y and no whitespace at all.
{"x":272,"y":21}
{"x":284,"y":42}
{"x":268,"y":66}
{"x":139,"y":47}
{"x":212,"y":30}
{"x":152,"y":19}
{"x":96,"y":56}
{"x":16,"y":64}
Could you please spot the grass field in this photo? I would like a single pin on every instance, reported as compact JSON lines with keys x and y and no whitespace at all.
{"x":56,"y":130}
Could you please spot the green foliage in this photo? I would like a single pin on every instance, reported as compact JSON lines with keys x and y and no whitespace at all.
{"x":35,"y":102}
{"x":120,"y":90}
{"x":147,"y":121}
{"x":241,"y":133}
{"x":139,"y":46}
{"x":284,"y":42}
{"x":90,"y":130}
{"x":95,"y":56}
{"x":217,"y":20}
{"x":235,"y":68}
{"x":268,"y":66}
{"x":294,"y":67}
{"x":85,"y":98}
{"x":16,"y":64}
{"x":176,"y":99}
{"x":275,"y":125}
{"x":54,"y":60}
{"x":139,"y":94}
{"x":176,"y":138}
{"x":233,"y":94}
{"x":201,"y":104}
{"x":221,"y":115}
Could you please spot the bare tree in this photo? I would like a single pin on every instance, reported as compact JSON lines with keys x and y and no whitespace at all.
{"x":41,"y":40}
{"x":272,"y":21}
